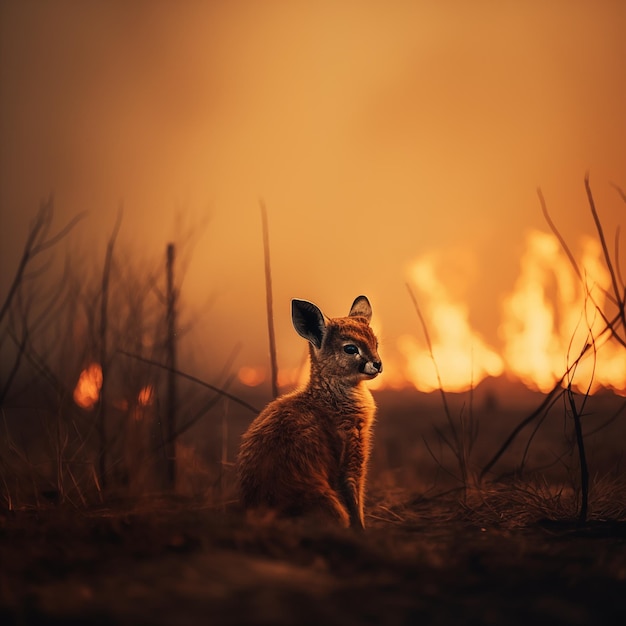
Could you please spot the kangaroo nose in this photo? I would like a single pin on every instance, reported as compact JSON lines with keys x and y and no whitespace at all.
{"x":378,"y":365}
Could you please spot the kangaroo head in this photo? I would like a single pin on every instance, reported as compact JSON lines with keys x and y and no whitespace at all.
{"x":341,"y":347}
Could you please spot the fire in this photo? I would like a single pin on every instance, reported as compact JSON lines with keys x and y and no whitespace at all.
{"x":460,"y":357}
{"x":145,"y":399}
{"x":146,"y":396}
{"x":87,"y":391}
{"x":551,"y":315}
{"x":547,"y":320}
{"x":533,"y":350}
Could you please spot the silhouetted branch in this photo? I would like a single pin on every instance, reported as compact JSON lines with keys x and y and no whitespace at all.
{"x":620,"y":191}
{"x":609,"y":421}
{"x":21,"y":347}
{"x":36,"y":243}
{"x":605,"y":250}
{"x":578,"y":431}
{"x":580,"y":444}
{"x":223,"y":393}
{"x":619,"y":300}
{"x":611,"y":325}
{"x":43,"y":369}
{"x":430,"y":350}
{"x":207,"y":407}
{"x":170,"y":345}
{"x":540,"y":421}
{"x":516,"y":431}
{"x":228,"y":377}
{"x":618,"y":271}
{"x":269,"y":300}
{"x":463,"y":437}
{"x":104,"y":302}
{"x":548,"y":399}
{"x":557,"y":234}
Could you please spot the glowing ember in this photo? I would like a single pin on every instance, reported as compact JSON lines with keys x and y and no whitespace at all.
{"x":146,"y":396}
{"x":87,"y":391}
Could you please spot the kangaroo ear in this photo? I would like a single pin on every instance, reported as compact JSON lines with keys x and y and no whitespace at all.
{"x":361,"y":307}
{"x":308,"y":321}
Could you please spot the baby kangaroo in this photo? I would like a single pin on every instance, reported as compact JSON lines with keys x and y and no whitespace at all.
{"x":307,"y":451}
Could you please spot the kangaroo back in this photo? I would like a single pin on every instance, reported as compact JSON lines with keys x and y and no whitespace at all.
{"x":307,"y":451}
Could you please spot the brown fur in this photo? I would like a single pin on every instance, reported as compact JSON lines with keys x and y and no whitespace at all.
{"x":307,"y":451}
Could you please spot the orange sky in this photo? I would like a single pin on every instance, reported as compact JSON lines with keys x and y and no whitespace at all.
{"x":376,"y":132}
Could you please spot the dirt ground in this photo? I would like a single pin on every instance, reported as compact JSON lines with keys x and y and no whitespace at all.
{"x":420,"y":562}
{"x":426,"y":557}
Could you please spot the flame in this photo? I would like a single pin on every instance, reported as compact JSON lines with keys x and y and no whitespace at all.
{"x":87,"y":391}
{"x":146,"y":396}
{"x":547,"y":320}
{"x":460,"y":357}
{"x":145,"y":399}
{"x":532,"y":349}
{"x":552,"y":315}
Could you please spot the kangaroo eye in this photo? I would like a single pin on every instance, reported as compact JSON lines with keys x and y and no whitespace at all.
{"x":351,"y":349}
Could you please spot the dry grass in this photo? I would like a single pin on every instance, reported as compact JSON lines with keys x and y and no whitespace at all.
{"x":520,"y":504}
{"x":516,"y":504}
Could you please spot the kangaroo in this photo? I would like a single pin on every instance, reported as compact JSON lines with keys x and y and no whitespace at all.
{"x":306,"y":453}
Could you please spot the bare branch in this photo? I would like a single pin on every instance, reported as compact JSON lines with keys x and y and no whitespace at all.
{"x":269,"y":300}
{"x":619,"y":302}
{"x":527,"y":420}
{"x":617,"y":266}
{"x":21,"y":348}
{"x":36,"y":243}
{"x":556,"y":389}
{"x":605,"y":250}
{"x":620,"y":191}
{"x":557,"y":234}
{"x":102,"y":408}
{"x":221,"y":392}
{"x":44,"y":245}
{"x":430,"y":350}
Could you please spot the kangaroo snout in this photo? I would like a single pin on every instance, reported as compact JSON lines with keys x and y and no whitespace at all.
{"x":372,"y":368}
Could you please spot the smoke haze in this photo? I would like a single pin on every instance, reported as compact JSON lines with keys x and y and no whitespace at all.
{"x":377,"y":133}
